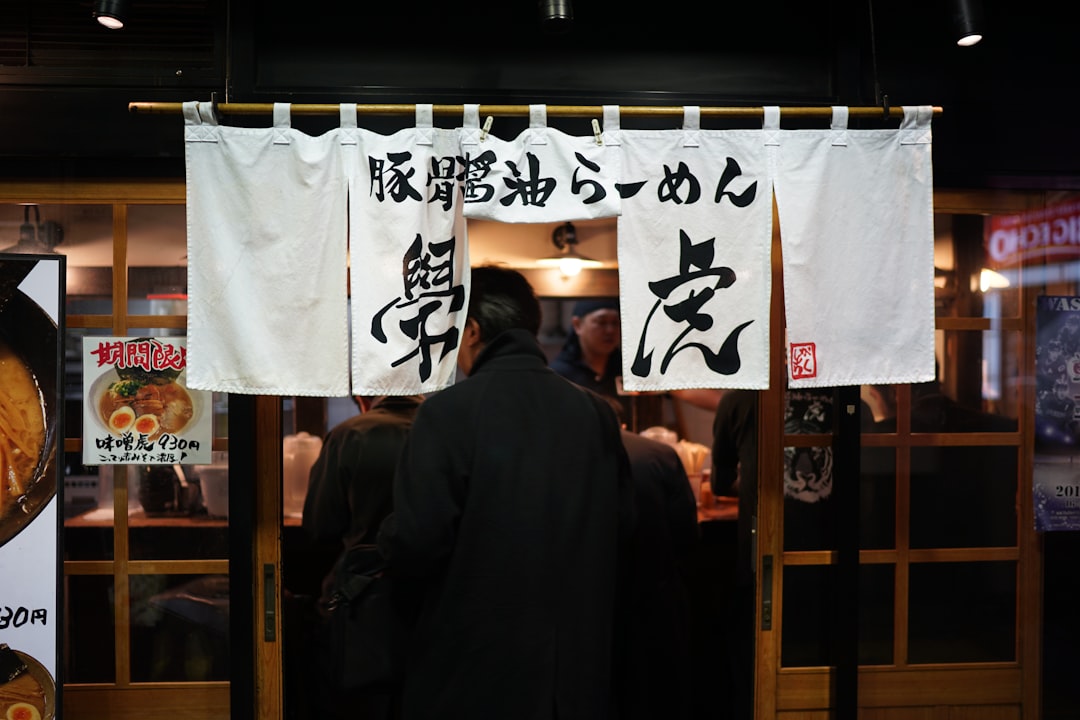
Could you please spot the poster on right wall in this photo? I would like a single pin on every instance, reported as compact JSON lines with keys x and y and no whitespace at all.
{"x":1057,"y":414}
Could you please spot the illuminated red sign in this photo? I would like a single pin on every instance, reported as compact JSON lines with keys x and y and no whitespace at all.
{"x":1051,"y":234}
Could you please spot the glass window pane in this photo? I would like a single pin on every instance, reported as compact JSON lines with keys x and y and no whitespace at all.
{"x":811,"y":623}
{"x":876,"y":605}
{"x":809,"y":513}
{"x":962,"y":612}
{"x":877,"y":498}
{"x":978,"y":386}
{"x":180,"y":512}
{"x":88,"y":518}
{"x":88,"y":489}
{"x":157,"y":260}
{"x":963,"y":497}
{"x":85,"y":490}
{"x":808,"y":471}
{"x":967,"y":277}
{"x":157,"y":235}
{"x":89,"y":653}
{"x":82,"y":232}
{"x":165,"y":304}
{"x":179,"y":628}
{"x":807,"y":616}
{"x":879,"y":408}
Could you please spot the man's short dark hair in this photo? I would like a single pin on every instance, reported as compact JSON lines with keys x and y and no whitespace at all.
{"x":502,"y":299}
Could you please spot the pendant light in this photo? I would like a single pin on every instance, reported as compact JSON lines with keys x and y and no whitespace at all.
{"x":569,"y":261}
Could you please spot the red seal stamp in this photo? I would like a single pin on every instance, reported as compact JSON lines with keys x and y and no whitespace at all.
{"x":803,"y":361}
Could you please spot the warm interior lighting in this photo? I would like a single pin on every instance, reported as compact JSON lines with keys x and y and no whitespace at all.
{"x":967,"y":21}
{"x":991,"y":280}
{"x":570,"y":266}
{"x":569,"y":261}
{"x":111,"y":13}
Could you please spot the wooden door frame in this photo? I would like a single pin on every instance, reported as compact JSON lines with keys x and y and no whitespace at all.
{"x":811,"y":689}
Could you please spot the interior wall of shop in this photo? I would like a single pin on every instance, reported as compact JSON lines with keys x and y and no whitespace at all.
{"x":65,"y":84}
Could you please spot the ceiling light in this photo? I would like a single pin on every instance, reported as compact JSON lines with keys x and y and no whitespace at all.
{"x":111,"y":13}
{"x":569,"y":261}
{"x":992,"y":280}
{"x":36,"y":237}
{"x":967,"y":21}
{"x":556,"y":15}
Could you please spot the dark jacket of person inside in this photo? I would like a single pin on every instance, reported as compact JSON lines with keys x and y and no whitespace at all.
{"x":659,"y":672}
{"x":512,"y":505}
{"x":350,"y":493}
{"x":350,"y":487}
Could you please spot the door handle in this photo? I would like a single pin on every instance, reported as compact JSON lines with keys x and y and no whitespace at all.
{"x":269,"y":603}
{"x":766,"y":592}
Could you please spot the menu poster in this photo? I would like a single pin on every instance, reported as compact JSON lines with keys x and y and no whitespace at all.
{"x":31,"y":429}
{"x":137,"y":409}
{"x":1057,"y":414}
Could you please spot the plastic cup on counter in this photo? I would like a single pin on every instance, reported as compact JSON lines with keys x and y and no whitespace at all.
{"x":695,"y":485}
{"x":214,"y":480}
{"x":707,"y":499}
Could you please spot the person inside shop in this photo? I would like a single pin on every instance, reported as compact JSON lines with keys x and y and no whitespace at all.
{"x":350,"y":493}
{"x":351,"y":482}
{"x":660,"y":672}
{"x":512,"y":512}
{"x":591,"y":356}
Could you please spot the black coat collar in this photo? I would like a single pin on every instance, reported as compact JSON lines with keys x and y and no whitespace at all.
{"x":510,"y":349}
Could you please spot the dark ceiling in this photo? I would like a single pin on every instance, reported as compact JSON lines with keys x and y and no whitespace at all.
{"x":65,"y":83}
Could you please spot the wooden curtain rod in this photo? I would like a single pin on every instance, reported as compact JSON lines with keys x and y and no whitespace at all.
{"x":170,"y":108}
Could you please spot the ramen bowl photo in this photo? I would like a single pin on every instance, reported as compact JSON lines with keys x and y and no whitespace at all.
{"x":146,"y":404}
{"x":28,"y":380}
{"x":27,"y":690}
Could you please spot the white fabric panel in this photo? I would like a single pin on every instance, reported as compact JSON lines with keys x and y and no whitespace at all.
{"x":694,"y":275}
{"x":409,"y":258}
{"x":543,"y":175}
{"x":267,"y":303}
{"x":856,"y":226}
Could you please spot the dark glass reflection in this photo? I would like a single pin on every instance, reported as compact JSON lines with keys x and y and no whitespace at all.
{"x":812,"y":619}
{"x":877,"y":498}
{"x":179,"y":628}
{"x":963,"y":497}
{"x":90,"y":653}
{"x":962,"y":612}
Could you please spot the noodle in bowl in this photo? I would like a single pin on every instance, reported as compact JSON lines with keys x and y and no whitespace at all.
{"x":28,"y":383}
{"x":146,"y":408}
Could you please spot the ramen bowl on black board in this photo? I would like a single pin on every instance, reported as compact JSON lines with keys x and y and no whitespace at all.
{"x":29,"y":355}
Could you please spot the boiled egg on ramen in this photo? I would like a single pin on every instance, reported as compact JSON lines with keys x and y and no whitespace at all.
{"x":22,"y":711}
{"x":121,"y":419}
{"x":147,"y":425}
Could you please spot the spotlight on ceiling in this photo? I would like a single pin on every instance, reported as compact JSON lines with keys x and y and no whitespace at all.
{"x":556,"y":15}
{"x":967,"y":21}
{"x":111,"y":13}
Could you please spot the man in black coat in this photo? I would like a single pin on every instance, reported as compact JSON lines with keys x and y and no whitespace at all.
{"x":511,"y":505}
